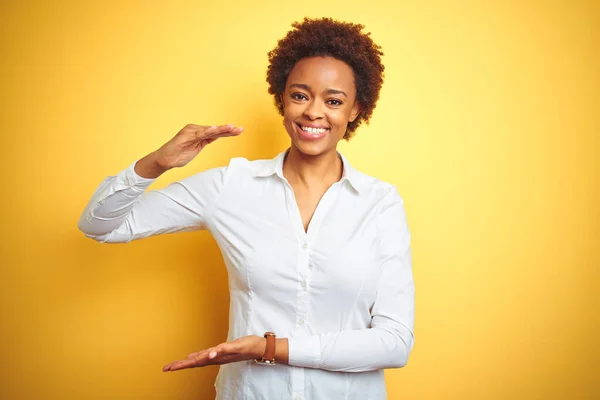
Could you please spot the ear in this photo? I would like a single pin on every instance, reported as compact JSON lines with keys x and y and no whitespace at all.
{"x":355,"y":112}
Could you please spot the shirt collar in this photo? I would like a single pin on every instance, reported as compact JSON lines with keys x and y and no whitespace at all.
{"x":275,"y":166}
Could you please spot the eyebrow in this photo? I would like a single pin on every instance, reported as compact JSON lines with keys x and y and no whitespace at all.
{"x":307,"y":88}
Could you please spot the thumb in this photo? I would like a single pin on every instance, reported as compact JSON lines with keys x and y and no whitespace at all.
{"x":215,"y":351}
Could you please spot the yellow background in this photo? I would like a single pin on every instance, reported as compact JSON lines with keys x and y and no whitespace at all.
{"x":487,"y":123}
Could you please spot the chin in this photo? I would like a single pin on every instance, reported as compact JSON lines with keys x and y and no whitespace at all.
{"x":311,"y":149}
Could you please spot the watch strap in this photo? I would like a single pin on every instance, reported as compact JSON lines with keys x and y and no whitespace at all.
{"x":269,"y":356}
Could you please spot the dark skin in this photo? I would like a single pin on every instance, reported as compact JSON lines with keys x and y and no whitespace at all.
{"x":320,"y":93}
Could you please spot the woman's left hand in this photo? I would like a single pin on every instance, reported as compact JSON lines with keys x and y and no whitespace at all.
{"x":242,"y":349}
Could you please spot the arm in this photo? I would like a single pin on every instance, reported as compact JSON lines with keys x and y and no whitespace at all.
{"x":388,"y":342}
{"x":120,"y":210}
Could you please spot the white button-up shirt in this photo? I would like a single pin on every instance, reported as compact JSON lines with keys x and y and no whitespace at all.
{"x":342,"y":292}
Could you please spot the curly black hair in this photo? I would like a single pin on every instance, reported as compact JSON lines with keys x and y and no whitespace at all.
{"x":341,"y":40}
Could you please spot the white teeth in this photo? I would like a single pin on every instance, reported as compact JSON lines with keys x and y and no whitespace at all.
{"x":313,"y":131}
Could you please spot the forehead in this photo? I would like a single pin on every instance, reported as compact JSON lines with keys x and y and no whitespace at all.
{"x":322,"y":73}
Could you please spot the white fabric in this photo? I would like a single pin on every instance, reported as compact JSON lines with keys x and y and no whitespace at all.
{"x":342,"y":292}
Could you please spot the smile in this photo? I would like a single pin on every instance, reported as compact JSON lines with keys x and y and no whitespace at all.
{"x":311,"y":132}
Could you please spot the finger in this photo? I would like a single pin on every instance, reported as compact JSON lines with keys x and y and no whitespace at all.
{"x":167,"y":367}
{"x":201,"y":131}
{"x":211,"y":352}
{"x":216,"y":351}
{"x":218,"y":130}
{"x":199,"y":361}
{"x":181,"y":364}
{"x":236,"y":131}
{"x":231,"y":132}
{"x":221,"y":350}
{"x":197,"y":358}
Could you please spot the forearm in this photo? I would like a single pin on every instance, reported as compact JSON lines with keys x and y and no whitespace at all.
{"x":117,"y":211}
{"x":151,"y":166}
{"x":353,"y":351}
{"x":113,"y":200}
{"x":122,"y":209}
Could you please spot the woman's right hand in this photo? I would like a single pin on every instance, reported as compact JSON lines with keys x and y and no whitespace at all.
{"x":189,"y":141}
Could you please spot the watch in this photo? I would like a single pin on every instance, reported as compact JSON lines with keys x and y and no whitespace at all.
{"x":269,"y":357}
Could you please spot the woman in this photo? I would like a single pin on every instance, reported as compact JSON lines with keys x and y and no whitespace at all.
{"x":318,"y":254}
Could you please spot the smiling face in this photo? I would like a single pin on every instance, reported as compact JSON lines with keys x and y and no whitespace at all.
{"x":319,"y":100}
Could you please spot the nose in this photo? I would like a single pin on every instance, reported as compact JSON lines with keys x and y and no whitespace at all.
{"x":314,"y":110}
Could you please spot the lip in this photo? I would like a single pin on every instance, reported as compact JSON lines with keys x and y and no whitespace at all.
{"x":308,"y":136}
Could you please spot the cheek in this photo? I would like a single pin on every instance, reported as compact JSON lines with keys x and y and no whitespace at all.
{"x":288,"y":120}
{"x":291,"y":113}
{"x":287,"y":116}
{"x":340,"y":117}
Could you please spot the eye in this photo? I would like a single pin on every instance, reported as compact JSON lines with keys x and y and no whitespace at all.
{"x":334,"y":102}
{"x":299,"y":96}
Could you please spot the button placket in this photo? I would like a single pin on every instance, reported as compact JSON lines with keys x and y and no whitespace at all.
{"x":302,"y":310}
{"x":301,"y":314}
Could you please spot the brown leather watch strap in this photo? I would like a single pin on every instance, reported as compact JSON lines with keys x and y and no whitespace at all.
{"x":269,"y":356}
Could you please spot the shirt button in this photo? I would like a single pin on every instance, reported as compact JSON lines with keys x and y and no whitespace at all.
{"x":303,"y":285}
{"x":301,"y":322}
{"x":305,"y":245}
{"x":298,"y":398}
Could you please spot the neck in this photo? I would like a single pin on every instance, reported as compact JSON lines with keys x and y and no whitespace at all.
{"x":312,"y":171}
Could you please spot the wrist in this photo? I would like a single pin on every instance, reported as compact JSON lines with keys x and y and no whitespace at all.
{"x":282,"y":351}
{"x":150,"y":166}
{"x":160,"y":162}
{"x":268,"y":357}
{"x":260,"y":348}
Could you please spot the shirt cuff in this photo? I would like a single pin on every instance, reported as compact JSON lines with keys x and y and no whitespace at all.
{"x":304,"y":351}
{"x":130,"y":178}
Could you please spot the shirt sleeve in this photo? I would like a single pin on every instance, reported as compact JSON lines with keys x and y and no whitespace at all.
{"x":121,"y":210}
{"x":389,"y":340}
